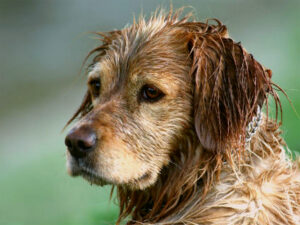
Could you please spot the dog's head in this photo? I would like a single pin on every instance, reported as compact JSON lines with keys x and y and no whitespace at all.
{"x":155,"y":83}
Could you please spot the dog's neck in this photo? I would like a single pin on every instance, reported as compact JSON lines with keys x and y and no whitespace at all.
{"x":184,"y":184}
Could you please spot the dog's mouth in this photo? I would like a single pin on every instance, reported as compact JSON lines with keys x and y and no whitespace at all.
{"x":78,"y":168}
{"x":92,"y":177}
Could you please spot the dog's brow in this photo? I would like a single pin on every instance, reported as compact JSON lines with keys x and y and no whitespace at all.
{"x":94,"y":70}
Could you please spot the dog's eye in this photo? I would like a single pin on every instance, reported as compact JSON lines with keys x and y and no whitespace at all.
{"x":151,"y":93}
{"x":95,"y":85}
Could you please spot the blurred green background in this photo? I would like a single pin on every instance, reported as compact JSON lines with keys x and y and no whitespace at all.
{"x":42,"y":46}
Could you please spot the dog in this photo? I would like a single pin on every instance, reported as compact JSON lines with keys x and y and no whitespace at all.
{"x":173,"y":120}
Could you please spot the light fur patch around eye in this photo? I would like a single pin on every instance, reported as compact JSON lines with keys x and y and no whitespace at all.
{"x":94,"y":70}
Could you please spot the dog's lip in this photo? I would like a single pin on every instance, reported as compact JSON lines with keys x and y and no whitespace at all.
{"x":93,"y":177}
{"x":141,"y":178}
{"x":145,"y":176}
{"x":78,"y":168}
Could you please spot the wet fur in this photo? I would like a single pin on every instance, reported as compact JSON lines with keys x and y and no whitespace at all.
{"x":184,"y":160}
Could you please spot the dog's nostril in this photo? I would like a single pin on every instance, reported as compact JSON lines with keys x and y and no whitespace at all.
{"x":81,"y":141}
{"x":68,"y":143}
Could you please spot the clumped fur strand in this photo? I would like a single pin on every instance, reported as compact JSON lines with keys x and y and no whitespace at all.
{"x":211,"y":176}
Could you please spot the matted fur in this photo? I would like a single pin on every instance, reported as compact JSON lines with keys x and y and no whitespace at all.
{"x":208,"y":174}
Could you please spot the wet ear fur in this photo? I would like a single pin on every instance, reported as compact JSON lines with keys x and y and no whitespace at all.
{"x":229,"y":85}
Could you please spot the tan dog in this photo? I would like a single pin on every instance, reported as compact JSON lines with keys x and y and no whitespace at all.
{"x":172,"y":118}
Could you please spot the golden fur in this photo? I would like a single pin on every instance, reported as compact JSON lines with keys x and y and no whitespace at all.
{"x":183,"y":159}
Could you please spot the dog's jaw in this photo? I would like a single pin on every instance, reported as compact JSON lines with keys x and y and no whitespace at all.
{"x":78,"y":167}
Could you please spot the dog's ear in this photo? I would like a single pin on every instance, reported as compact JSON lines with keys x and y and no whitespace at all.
{"x":229,"y":85}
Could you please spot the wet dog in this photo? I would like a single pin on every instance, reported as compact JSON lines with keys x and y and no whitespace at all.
{"x":172,"y":118}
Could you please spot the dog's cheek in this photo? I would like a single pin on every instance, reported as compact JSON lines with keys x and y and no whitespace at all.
{"x":118,"y":164}
{"x":161,"y":125}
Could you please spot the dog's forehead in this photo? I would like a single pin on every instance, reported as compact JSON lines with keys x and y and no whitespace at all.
{"x":141,"y":52}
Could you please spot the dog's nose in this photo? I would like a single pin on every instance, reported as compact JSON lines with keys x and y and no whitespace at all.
{"x":81,"y":141}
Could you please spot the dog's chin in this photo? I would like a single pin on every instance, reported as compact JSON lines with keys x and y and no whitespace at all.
{"x":93,"y":178}
{"x":77,"y":168}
